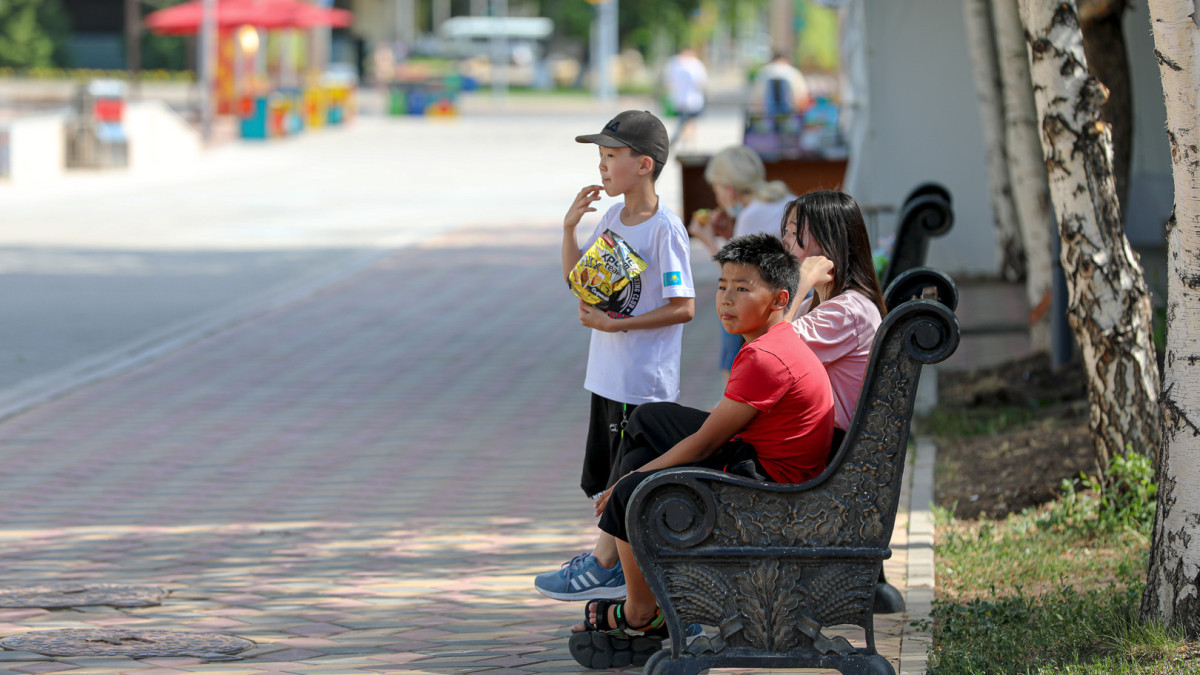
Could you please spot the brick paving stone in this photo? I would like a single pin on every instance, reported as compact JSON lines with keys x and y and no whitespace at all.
{"x":48,"y":667}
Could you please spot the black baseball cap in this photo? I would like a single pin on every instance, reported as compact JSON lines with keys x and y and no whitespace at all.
{"x":637,"y":129}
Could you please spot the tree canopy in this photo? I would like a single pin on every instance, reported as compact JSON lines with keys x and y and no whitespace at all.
{"x":33,"y":33}
{"x":640,"y":22}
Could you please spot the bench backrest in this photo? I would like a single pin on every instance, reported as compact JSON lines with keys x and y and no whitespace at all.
{"x":927,"y":212}
{"x":920,"y":329}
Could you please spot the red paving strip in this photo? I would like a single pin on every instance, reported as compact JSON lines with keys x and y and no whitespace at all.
{"x":362,"y":481}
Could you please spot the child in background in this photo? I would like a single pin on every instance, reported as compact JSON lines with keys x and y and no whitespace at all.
{"x":738,"y":180}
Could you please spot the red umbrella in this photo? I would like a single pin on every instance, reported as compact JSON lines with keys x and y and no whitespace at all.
{"x":185,"y":18}
{"x":333,"y":17}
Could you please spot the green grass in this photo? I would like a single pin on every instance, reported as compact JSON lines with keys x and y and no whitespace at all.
{"x":1054,"y":590}
{"x":946,"y":422}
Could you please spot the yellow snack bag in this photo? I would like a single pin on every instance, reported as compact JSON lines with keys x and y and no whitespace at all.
{"x":604,"y":272}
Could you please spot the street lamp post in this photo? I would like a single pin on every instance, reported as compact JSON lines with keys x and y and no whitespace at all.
{"x":207,"y":63}
{"x":133,"y":44}
{"x":604,"y":48}
{"x":500,"y":51}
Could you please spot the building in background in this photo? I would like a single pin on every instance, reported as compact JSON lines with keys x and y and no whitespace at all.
{"x":911,"y":115}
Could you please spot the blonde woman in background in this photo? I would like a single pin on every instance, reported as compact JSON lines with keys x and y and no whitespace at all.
{"x":738,"y":180}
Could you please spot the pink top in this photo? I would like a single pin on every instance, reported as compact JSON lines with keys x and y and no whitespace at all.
{"x":840,"y":331}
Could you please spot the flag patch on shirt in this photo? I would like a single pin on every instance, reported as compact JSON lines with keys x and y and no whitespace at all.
{"x":672,"y":279}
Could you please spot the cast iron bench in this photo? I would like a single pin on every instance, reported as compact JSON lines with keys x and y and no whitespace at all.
{"x":769,"y":566}
{"x":927,"y":212}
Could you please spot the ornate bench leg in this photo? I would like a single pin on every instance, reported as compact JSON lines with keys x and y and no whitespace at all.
{"x":888,"y":599}
{"x":868,"y":665}
{"x":662,"y":664}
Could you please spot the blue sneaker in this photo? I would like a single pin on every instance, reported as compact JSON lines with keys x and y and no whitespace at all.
{"x":582,"y":578}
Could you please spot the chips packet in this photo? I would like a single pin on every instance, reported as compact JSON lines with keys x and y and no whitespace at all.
{"x":603,"y":273}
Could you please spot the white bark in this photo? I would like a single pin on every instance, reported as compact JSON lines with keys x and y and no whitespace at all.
{"x":1027,"y":167}
{"x":1108,"y":302}
{"x":977,"y":15}
{"x":1173,"y":580}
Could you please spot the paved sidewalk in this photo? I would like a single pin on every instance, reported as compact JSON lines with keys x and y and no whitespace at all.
{"x":362,"y":481}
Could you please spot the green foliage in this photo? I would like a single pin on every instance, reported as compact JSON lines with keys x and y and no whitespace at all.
{"x":817,"y":44}
{"x":1089,"y":506}
{"x":1159,"y":328}
{"x":1020,"y":633}
{"x":85,"y":74}
{"x":163,"y":52}
{"x":33,"y":34}
{"x":1055,"y":590}
{"x":639,"y":22}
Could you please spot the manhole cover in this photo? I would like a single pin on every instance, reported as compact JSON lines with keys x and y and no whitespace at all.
{"x":135,"y":644}
{"x":58,"y":596}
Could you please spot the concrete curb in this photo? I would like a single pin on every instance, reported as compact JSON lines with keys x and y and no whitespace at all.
{"x":108,"y":363}
{"x":914,"y":646}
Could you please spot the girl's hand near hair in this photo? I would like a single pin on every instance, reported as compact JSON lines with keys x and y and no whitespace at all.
{"x":815,"y":272}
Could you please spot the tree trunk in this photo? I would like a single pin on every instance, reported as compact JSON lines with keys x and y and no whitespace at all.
{"x":1108,"y":303}
{"x":133,"y":39}
{"x":1104,"y":47}
{"x":1173,"y":579}
{"x":1027,"y":168}
{"x":982,"y":45}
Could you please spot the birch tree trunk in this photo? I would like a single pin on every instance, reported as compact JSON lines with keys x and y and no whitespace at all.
{"x":1108,"y":303}
{"x":977,"y":15}
{"x":1027,"y":168}
{"x":1173,"y":579}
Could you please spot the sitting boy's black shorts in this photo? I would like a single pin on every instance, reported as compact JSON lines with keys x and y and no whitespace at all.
{"x":654,"y":430}
{"x":612,"y":520}
{"x":605,"y":429}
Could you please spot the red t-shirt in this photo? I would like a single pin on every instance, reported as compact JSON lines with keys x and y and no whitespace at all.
{"x":780,"y":377}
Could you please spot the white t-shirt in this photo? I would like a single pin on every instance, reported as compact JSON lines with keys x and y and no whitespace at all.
{"x":686,"y":78}
{"x":761,"y":217}
{"x":642,"y":366}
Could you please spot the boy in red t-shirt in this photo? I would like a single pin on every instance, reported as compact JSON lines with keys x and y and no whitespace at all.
{"x":776,"y":420}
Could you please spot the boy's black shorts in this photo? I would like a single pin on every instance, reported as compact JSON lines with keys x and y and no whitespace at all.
{"x":605,"y":429}
{"x":654,"y":430}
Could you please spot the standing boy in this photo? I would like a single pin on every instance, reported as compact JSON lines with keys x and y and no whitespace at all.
{"x":634,"y":359}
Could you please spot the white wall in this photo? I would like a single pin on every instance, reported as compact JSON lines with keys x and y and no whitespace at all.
{"x":158,"y":137}
{"x":37,"y":148}
{"x":923,"y":125}
{"x":1151,"y":192}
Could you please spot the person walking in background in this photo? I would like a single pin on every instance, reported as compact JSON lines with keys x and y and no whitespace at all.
{"x":686,"y":77}
{"x":778,"y":90}
{"x":738,"y":180}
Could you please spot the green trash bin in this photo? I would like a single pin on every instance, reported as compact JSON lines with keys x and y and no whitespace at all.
{"x":397,"y":99}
